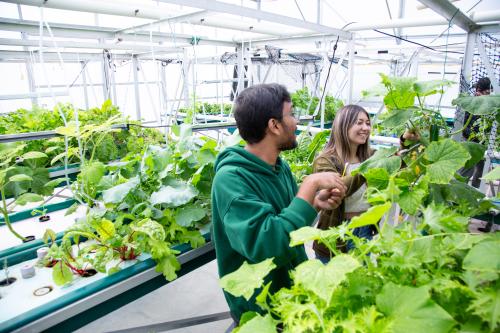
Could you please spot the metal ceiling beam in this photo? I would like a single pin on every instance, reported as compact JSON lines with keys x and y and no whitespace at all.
{"x":480,"y":17}
{"x":236,"y":25}
{"x":181,"y":18}
{"x":226,"y":8}
{"x":451,"y":13}
{"x":120,"y":8}
{"x":93,"y":32}
{"x":87,"y":45}
{"x":22,"y":56}
{"x":203,"y":18}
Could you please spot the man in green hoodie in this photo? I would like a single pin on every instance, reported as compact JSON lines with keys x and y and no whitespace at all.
{"x":255,"y":200}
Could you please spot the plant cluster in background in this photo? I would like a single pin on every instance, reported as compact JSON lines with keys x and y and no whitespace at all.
{"x":115,"y":145}
{"x":204,"y":108}
{"x":482,"y":131}
{"x":305,"y":104}
{"x":301,"y":158}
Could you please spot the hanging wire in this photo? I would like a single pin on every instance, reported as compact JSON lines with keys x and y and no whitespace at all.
{"x":44,"y":71}
{"x":416,"y":43}
{"x":446,"y":57}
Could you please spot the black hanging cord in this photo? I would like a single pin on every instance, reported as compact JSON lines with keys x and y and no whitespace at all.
{"x":412,"y":42}
{"x":328,"y":74}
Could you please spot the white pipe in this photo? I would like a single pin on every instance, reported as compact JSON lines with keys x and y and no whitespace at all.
{"x":480,"y":17}
{"x":121,"y":8}
{"x":87,"y":45}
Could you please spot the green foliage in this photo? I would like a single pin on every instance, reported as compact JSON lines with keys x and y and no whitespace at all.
{"x":247,"y":278}
{"x":301,"y":158}
{"x":113,"y":145}
{"x":479,"y":105}
{"x":411,"y":309}
{"x":424,"y":273}
{"x":146,"y":203}
{"x":204,"y":108}
{"x":408,"y":283}
{"x":305,"y":104}
{"x":21,"y":178}
{"x":493,"y":174}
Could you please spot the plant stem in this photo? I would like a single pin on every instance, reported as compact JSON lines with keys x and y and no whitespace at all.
{"x":465,"y":125}
{"x":6,"y":217}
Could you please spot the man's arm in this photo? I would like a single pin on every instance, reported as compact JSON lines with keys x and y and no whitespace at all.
{"x":322,"y":190}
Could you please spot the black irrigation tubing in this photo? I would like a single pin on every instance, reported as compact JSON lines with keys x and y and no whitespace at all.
{"x":419,"y":44}
{"x":328,"y":74}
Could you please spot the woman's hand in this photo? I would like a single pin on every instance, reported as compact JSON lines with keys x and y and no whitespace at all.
{"x":328,"y":199}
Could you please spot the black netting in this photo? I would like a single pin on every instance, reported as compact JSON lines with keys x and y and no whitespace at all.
{"x":228,"y":58}
{"x":485,"y":123}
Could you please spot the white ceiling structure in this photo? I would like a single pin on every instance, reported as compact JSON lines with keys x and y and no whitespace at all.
{"x":134,"y":26}
{"x":376,"y":30}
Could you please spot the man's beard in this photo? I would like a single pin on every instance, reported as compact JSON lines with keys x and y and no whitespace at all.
{"x":291,"y":144}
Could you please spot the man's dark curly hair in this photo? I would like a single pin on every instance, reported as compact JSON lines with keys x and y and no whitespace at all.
{"x":255,"y":105}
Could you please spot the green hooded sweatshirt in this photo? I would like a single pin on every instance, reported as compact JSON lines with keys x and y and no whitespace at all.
{"x":254,"y":209}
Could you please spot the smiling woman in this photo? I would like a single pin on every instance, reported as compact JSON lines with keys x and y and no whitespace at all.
{"x":347,"y":148}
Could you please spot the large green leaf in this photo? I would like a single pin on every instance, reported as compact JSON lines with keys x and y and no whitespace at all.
{"x":463,"y":193}
{"x":92,"y":173}
{"x":323,"y":279}
{"x":34,"y":155}
{"x":412,"y":310}
{"x":168,"y":265}
{"x":479,"y":105}
{"x":446,"y":157}
{"x":439,"y":219}
{"x":493,"y":174}
{"x":174,"y":196}
{"x":426,"y":88}
{"x":186,"y":215}
{"x":396,"y":117}
{"x":371,"y":216}
{"x":54,"y":182}
{"x":247,"y":278}
{"x":17,"y":188}
{"x":383,"y":158}
{"x":410,"y":199}
{"x":61,"y":274}
{"x":23,"y":199}
{"x":303,"y":235}
{"x":117,"y":193}
{"x":157,"y":158}
{"x":193,"y":237}
{"x":20,"y":178}
{"x":476,"y":152}
{"x":69,"y":130}
{"x":105,"y":228}
{"x":487,"y":306}
{"x":377,"y":177}
{"x":401,"y":94}
{"x":259,"y":324}
{"x":151,"y":228}
{"x":484,"y":257}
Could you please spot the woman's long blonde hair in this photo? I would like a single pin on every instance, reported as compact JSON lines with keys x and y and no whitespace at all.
{"x":339,"y":145}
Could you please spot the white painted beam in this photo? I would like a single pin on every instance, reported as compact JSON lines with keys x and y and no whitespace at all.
{"x":480,"y":17}
{"x":93,"y":32}
{"x":447,"y":10}
{"x":222,"y":7}
{"x":120,"y":8}
{"x":181,"y":18}
{"x":86,"y":45}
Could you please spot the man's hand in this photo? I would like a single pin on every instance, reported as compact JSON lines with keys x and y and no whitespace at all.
{"x":316,"y":182}
{"x":328,"y":199}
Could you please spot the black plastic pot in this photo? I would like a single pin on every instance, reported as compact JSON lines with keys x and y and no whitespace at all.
{"x":44,"y":218}
{"x":28,"y":238}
